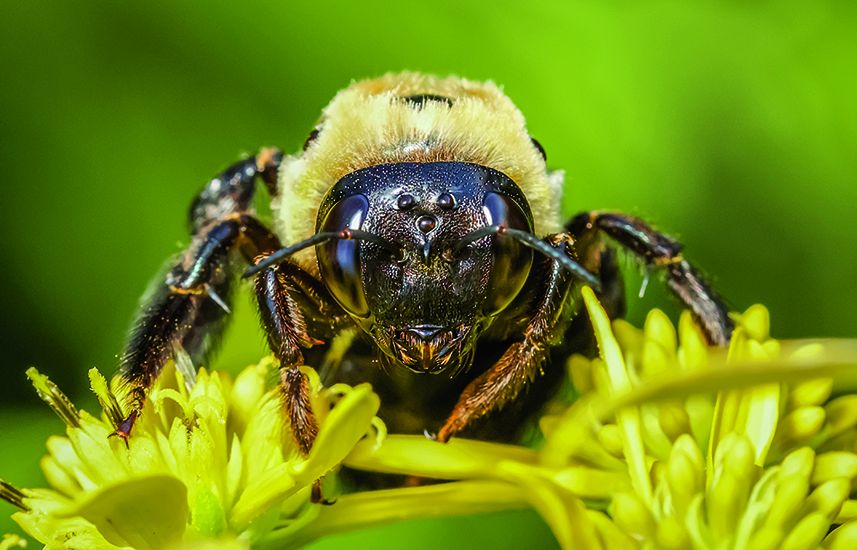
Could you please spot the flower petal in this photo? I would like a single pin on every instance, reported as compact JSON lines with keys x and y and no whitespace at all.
{"x":147,"y":513}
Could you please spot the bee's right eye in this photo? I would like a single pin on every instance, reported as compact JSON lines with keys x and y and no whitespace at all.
{"x":512,"y":260}
{"x":339,"y":259}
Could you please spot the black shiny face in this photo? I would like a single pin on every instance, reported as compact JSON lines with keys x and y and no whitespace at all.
{"x":424,"y":300}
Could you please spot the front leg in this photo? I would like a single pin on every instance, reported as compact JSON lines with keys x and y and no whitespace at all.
{"x":522,"y":361}
{"x":286,"y":294}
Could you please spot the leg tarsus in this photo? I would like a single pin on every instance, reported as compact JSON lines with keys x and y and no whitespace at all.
{"x":496,"y":387}
{"x":283,"y":298}
{"x":189,"y":308}
{"x":317,"y":495}
{"x":296,"y":397}
{"x":123,"y":430}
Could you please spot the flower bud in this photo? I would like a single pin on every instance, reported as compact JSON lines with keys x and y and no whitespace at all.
{"x":611,"y":438}
{"x":791,"y":492}
{"x":580,"y":370}
{"x":834,"y":464}
{"x":766,"y":538}
{"x":658,"y":328}
{"x":693,"y":353}
{"x":801,"y":424}
{"x":683,"y":478}
{"x":798,"y":462}
{"x":843,"y":538}
{"x":828,"y":497}
{"x":632,"y":516}
{"x":811,"y":392}
{"x":807,"y":533}
{"x":841,"y":414}
{"x":757,"y":322}
{"x":674,"y":420}
{"x":672,"y":534}
{"x":725,"y":503}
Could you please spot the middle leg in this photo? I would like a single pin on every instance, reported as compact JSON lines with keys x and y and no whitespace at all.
{"x":657,"y":251}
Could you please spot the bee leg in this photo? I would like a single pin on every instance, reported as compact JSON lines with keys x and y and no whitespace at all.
{"x":657,"y":250}
{"x":292,"y":304}
{"x":188,"y":309}
{"x":284,"y":293}
{"x":233,"y":189}
{"x":522,"y":361}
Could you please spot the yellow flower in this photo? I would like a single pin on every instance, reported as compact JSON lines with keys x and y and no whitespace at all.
{"x":208,"y":461}
{"x":745,"y":450}
{"x":668,"y":444}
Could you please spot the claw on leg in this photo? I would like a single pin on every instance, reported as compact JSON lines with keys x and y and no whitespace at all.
{"x":123,"y":430}
{"x":452,"y":426}
{"x":317,"y":496}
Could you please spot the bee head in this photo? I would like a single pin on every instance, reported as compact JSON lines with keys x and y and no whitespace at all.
{"x":428,"y":282}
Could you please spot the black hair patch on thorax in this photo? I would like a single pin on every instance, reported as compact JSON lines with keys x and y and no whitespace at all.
{"x":418,"y":101}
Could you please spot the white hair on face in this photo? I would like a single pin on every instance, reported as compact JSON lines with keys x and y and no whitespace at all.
{"x":369,"y":123}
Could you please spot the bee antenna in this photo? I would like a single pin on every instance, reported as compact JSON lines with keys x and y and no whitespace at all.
{"x":319,"y":238}
{"x":531,"y":241}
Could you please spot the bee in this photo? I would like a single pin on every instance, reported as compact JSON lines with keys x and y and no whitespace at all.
{"x":416,"y":243}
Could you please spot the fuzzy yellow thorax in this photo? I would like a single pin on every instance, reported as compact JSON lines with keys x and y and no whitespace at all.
{"x":369,"y":124}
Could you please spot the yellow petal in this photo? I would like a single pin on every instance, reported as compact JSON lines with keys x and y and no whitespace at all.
{"x":807,"y":533}
{"x":348,"y":422}
{"x":628,"y":420}
{"x":843,"y":538}
{"x":146,"y":513}
{"x":834,"y":464}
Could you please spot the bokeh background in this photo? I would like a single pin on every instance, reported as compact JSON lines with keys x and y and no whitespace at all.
{"x":732,"y":125}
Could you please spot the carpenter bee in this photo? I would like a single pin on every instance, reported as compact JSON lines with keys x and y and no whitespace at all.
{"x":416,"y":243}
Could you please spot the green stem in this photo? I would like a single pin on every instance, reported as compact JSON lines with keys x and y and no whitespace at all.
{"x":379,"y":507}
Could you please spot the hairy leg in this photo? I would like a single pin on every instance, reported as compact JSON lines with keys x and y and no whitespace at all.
{"x":189,"y":308}
{"x":522,"y":361}
{"x":659,"y":251}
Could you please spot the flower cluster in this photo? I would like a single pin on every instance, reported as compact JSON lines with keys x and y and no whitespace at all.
{"x":742,"y":450}
{"x":667,"y":444}
{"x":208,"y":463}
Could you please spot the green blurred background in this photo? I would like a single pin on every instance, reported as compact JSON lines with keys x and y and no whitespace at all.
{"x":732,"y":125}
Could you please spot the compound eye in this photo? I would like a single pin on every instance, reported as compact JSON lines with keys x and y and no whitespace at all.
{"x":339,"y":260}
{"x":512,"y":260}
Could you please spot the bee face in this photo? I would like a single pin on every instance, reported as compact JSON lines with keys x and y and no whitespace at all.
{"x":423,"y":294}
